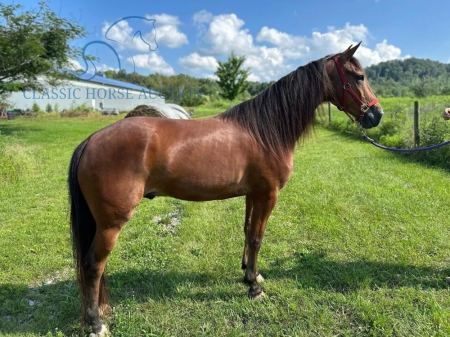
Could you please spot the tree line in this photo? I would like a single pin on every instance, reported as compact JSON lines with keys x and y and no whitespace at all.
{"x":409,"y":77}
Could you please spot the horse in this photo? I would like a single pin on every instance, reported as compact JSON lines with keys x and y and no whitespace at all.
{"x":245,"y":151}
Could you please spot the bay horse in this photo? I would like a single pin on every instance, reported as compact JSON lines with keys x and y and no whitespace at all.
{"x":245,"y":151}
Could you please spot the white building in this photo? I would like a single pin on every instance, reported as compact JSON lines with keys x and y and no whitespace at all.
{"x":98,"y":92}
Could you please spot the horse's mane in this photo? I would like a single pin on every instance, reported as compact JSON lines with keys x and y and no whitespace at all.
{"x":285,"y":111}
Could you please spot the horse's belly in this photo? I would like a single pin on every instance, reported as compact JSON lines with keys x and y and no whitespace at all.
{"x":197,"y":187}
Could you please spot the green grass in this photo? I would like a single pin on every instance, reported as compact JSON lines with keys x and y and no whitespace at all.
{"x":356,"y":246}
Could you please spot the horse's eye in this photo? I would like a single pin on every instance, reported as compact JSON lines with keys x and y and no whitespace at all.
{"x":360,"y":78}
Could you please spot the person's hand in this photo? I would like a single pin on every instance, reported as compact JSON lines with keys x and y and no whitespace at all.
{"x":446,"y":114}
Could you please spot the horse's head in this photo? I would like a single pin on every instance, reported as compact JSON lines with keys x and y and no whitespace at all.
{"x":352,"y":92}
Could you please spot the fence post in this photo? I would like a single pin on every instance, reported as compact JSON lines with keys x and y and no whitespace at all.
{"x":329,"y":113}
{"x":416,"y":124}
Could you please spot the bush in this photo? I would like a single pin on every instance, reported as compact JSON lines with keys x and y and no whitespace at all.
{"x":49,"y":108}
{"x":194,"y":100}
{"x":36,"y":107}
{"x":436,"y":131}
{"x":392,"y":141}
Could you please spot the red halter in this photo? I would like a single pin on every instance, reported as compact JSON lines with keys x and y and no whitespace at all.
{"x":348,"y":89}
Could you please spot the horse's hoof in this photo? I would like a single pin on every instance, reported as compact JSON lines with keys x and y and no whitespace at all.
{"x":255,"y":293}
{"x":103,"y":332}
{"x":259,"y":278}
{"x":259,"y":297}
{"x":447,"y":279}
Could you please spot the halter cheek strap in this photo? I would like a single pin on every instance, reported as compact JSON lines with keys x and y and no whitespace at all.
{"x":348,"y":90}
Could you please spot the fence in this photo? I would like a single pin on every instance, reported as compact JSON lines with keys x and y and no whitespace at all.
{"x":415,"y":115}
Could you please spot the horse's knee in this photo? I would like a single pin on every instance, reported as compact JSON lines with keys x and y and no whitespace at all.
{"x":256,"y":241}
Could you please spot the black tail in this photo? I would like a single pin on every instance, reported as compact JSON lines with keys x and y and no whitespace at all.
{"x":82,"y":226}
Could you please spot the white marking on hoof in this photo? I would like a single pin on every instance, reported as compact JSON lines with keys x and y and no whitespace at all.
{"x":103,"y":332}
{"x":259,"y":278}
{"x":260,"y":296}
{"x":447,"y":279}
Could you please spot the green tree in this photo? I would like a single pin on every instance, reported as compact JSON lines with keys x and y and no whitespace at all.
{"x":232,"y":78}
{"x":49,"y":108}
{"x":36,"y":107}
{"x":34,"y":43}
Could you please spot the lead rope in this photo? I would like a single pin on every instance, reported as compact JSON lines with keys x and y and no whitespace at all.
{"x":394,"y":149}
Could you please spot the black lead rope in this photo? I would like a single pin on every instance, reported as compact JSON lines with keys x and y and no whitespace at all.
{"x":394,"y":149}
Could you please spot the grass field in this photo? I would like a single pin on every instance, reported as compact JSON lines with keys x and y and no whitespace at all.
{"x":356,"y":246}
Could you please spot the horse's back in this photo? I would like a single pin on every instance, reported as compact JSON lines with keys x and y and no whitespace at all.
{"x":187,"y":159}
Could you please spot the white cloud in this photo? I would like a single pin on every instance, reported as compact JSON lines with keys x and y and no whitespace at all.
{"x":119,"y":32}
{"x":124,"y":35}
{"x":104,"y":67}
{"x":293,"y":47}
{"x":225,"y":35}
{"x":152,"y":62}
{"x":75,"y":65}
{"x":162,"y":28}
{"x":202,"y":17}
{"x":196,"y":63}
{"x":274,"y":51}
{"x":167,"y":32}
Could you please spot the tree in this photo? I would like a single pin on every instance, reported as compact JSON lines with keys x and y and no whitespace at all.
{"x":34,"y":43}
{"x":232,"y":78}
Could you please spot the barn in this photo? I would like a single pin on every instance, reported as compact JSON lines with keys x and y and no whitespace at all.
{"x":96,"y":91}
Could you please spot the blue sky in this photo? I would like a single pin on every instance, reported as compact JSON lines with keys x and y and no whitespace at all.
{"x":275,"y":36}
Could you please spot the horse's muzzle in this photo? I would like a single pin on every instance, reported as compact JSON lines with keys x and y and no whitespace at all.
{"x":372,"y":117}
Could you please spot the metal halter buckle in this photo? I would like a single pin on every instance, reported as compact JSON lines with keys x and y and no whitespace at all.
{"x":365,"y":107}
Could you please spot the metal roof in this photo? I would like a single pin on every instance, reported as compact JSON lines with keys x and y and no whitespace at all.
{"x":109,"y":81}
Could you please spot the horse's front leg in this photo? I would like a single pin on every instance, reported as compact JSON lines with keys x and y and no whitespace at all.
{"x":248,"y":215}
{"x":262,"y":207}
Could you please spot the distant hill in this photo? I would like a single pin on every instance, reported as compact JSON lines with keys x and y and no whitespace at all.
{"x":411,"y":76}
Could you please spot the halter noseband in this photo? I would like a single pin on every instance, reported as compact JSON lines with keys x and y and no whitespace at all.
{"x":348,"y":89}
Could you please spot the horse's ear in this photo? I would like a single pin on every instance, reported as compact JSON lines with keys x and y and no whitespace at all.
{"x":347,"y":55}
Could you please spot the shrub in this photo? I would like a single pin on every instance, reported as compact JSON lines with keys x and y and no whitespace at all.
{"x":392,"y":141}
{"x":36,"y":107}
{"x":49,"y":108}
{"x":194,"y":100}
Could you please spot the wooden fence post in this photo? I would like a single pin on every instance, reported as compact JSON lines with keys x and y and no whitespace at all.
{"x":416,"y":124}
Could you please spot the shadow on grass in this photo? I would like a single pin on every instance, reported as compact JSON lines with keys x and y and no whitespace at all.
{"x":42,"y":309}
{"x":315,"y":271}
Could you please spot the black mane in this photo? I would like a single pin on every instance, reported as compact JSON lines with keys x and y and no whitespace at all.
{"x":285,"y":111}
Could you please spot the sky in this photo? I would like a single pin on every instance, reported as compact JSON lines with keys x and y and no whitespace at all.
{"x":182,"y":37}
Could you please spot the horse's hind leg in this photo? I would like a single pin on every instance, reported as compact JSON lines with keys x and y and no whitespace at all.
{"x":107,"y":231}
{"x":96,"y":296}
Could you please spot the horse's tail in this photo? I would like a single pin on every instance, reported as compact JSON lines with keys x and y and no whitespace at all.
{"x":82,"y":227}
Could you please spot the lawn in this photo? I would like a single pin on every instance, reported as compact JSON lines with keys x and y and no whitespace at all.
{"x":357,"y":246}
